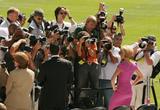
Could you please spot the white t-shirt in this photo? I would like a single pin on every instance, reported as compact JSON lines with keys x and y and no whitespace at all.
{"x":144,"y":67}
{"x":108,"y":71}
{"x":6,"y":23}
{"x":65,"y":24}
{"x":37,"y":31}
{"x":4,"y":32}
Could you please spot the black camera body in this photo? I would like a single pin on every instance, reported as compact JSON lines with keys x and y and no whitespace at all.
{"x":107,"y":46}
{"x":143,"y":44}
{"x":101,"y":16}
{"x":3,"y":48}
{"x":55,"y":29}
{"x":34,"y":40}
{"x":24,"y":47}
{"x":70,"y":39}
{"x":42,"y":40}
{"x":101,"y":20}
{"x":119,"y":18}
{"x":145,"y":41}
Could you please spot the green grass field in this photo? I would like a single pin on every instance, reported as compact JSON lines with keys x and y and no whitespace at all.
{"x":142,"y":17}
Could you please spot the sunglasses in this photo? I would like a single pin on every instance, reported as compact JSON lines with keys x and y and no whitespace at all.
{"x":39,"y":19}
{"x":63,"y":13}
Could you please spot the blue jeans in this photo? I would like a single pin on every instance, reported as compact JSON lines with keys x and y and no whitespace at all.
{"x":107,"y":93}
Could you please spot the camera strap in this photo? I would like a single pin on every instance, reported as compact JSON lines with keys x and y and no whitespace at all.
{"x":84,"y":59}
{"x":104,"y":58}
{"x":139,"y":55}
{"x":86,"y":53}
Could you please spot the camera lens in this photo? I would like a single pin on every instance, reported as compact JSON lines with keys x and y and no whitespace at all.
{"x":143,"y":44}
{"x":107,"y":46}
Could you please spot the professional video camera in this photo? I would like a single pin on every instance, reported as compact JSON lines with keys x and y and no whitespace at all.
{"x":147,"y":40}
{"x":119,"y":18}
{"x":62,"y":32}
{"x":101,"y":16}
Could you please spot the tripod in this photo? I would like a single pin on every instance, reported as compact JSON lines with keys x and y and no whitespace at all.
{"x":146,"y":93}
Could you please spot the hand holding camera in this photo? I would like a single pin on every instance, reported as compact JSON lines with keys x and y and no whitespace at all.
{"x":119,"y":18}
{"x":147,"y":43}
{"x":102,"y":6}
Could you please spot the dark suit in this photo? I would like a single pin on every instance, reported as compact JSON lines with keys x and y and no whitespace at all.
{"x":55,"y":77}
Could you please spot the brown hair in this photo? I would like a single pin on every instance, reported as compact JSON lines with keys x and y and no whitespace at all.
{"x":13,"y":9}
{"x":22,"y":59}
{"x":91,"y":19}
{"x":57,"y":10}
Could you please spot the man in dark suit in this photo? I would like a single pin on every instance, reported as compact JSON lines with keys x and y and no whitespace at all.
{"x":55,"y":77}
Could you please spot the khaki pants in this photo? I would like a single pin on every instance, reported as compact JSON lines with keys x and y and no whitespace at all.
{"x":137,"y":94}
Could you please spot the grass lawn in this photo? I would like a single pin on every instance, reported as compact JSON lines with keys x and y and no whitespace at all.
{"x":142,"y":17}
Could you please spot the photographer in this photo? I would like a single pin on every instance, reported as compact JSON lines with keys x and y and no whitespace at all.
{"x":109,"y":58}
{"x":101,"y":20}
{"x":89,"y":27}
{"x":146,"y":56}
{"x":88,"y":70}
{"x":37,"y":26}
{"x":12,"y":17}
{"x":39,"y":50}
{"x":60,"y":15}
{"x":112,"y":29}
{"x":15,"y":33}
{"x":60,"y":26}
{"x":117,"y":40}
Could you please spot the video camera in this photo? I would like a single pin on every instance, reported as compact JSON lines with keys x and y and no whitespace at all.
{"x":101,"y":16}
{"x":119,"y":18}
{"x":147,"y":40}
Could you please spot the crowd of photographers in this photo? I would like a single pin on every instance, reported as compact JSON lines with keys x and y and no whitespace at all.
{"x":94,"y":48}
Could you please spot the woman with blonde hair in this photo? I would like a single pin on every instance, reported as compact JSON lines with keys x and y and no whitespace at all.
{"x":19,"y":84}
{"x":122,"y":90}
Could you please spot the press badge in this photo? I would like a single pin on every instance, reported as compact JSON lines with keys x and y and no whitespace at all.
{"x":81,"y":62}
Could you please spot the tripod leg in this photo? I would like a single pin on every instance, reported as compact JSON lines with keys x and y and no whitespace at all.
{"x":144,"y":94}
{"x":154,"y":96}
